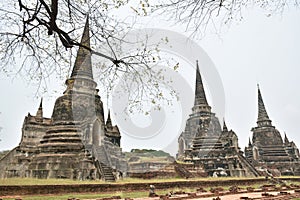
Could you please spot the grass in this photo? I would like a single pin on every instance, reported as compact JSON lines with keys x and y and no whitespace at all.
{"x":33,"y":181}
{"x":83,"y":196}
{"x":136,"y":180}
{"x":135,"y":194}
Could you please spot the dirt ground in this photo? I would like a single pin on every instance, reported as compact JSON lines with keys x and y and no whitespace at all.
{"x":255,"y":195}
{"x":239,"y":196}
{"x":251,"y":195}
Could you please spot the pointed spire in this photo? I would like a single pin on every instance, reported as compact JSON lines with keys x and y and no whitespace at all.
{"x":200,"y":98}
{"x":108,"y":121}
{"x":225,"y":129}
{"x":263,"y":118}
{"x":41,"y":104}
{"x":39,"y":112}
{"x":83,"y":63}
{"x":249,"y":144}
{"x":286,"y":140}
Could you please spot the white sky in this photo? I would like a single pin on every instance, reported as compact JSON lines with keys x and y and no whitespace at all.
{"x":260,"y":49}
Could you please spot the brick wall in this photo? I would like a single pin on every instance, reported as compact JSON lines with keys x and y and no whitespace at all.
{"x":98,"y":188}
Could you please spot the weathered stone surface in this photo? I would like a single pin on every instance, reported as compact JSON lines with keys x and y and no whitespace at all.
{"x":75,"y":143}
{"x":205,"y":144}
{"x":267,"y":151}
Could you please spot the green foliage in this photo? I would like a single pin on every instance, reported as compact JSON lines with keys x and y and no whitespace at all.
{"x":148,"y":155}
{"x":158,"y":153}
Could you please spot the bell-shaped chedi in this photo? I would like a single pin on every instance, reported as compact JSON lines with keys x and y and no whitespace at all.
{"x":206,"y":145}
{"x":267,"y":149}
{"x":75,"y":143}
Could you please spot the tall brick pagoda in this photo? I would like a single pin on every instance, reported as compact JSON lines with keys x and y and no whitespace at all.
{"x":267,"y":149}
{"x":75,"y":143}
{"x":206,"y":144}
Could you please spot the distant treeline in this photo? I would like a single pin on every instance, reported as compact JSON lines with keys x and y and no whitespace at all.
{"x":150,"y":151}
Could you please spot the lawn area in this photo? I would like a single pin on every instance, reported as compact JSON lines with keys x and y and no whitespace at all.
{"x":132,"y":194}
{"x":33,"y":181}
{"x":82,"y":196}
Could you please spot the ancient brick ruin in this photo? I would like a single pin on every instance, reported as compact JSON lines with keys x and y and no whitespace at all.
{"x":75,"y":143}
{"x":267,"y":149}
{"x":206,"y":144}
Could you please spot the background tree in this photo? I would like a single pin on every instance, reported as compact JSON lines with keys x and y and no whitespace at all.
{"x":37,"y":40}
{"x":37,"y":37}
{"x":197,"y":15}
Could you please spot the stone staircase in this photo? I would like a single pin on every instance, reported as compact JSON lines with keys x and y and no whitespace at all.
{"x":101,"y":155}
{"x":246,"y":165}
{"x":181,"y":171}
{"x":105,"y":171}
{"x":102,"y":164}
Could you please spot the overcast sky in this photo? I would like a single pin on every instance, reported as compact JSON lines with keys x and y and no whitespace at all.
{"x":260,"y":49}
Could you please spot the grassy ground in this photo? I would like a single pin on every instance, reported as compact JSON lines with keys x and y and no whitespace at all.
{"x":81,"y":196}
{"x":135,"y":194}
{"x":32,"y":181}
